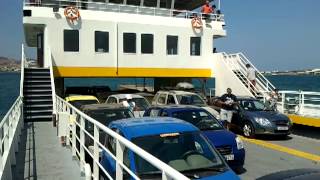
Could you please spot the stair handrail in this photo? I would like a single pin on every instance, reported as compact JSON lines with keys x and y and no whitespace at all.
{"x":260,"y":81}
{"x":228,"y":58}
{"x":243,"y":71}
{"x":270,"y":87}
{"x":53,"y":88}
{"x":22,"y":70}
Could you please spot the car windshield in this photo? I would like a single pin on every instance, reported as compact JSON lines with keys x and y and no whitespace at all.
{"x":190,"y":99}
{"x":141,"y":104}
{"x":79,"y":103}
{"x":253,"y":105}
{"x":182,"y":151}
{"x":201,"y":119}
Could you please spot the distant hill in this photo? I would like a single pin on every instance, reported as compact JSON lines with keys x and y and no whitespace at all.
{"x":9,"y":65}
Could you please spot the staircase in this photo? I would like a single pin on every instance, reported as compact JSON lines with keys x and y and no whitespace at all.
{"x":237,"y":63}
{"x":37,"y":92}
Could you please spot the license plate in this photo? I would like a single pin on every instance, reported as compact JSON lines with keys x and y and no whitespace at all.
{"x":229,"y":157}
{"x":283,"y":128}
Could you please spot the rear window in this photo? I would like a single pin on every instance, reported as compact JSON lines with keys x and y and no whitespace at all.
{"x":190,"y":100}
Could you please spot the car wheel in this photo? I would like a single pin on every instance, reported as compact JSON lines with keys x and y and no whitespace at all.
{"x":248,"y":130}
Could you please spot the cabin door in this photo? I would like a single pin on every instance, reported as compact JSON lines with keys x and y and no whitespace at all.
{"x":40,"y":49}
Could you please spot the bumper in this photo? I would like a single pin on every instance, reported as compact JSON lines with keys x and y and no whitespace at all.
{"x":273,"y":130}
{"x":239,"y":157}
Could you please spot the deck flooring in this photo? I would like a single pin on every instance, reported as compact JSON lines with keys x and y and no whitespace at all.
{"x":41,"y":156}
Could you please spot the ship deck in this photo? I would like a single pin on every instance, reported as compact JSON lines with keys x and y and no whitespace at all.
{"x":41,"y":155}
{"x":266,"y":155}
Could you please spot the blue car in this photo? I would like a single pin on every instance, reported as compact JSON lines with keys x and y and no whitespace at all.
{"x":175,"y":142}
{"x":226,"y":142}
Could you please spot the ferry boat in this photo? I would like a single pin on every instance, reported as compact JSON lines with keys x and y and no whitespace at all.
{"x":162,"y":39}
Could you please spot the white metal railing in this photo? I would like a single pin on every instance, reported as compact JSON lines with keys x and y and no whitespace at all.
{"x":261,"y":79}
{"x":239,"y":69}
{"x":23,"y":64}
{"x":10,"y":129}
{"x":124,"y":8}
{"x":121,"y":144}
{"x":53,"y":88}
{"x":304,"y":103}
{"x":238,"y":64}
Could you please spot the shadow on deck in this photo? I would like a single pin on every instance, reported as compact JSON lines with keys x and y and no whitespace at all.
{"x":42,"y":157}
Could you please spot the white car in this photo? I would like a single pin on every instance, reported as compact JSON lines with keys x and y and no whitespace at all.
{"x":182,"y":98}
{"x":141,"y":104}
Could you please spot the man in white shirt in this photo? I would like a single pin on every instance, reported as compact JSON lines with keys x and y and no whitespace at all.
{"x":251,"y":75}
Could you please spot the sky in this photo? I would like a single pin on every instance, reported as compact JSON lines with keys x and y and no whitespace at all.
{"x":273,"y":34}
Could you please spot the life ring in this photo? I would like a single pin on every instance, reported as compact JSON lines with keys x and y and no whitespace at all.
{"x":72,"y":13}
{"x":196,"y":23}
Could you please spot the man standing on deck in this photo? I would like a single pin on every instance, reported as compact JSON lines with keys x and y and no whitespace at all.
{"x":227,"y":101}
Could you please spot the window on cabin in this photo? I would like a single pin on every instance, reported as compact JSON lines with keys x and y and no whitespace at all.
{"x":101,"y":41}
{"x":129,"y":42}
{"x":195,"y":44}
{"x":146,"y":43}
{"x":71,"y":40}
{"x":150,"y":3}
{"x":172,"y":45}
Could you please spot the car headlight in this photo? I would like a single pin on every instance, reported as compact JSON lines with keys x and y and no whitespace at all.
{"x":263,"y":121}
{"x":239,"y":142}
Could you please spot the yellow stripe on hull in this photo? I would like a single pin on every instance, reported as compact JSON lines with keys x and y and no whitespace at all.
{"x":129,"y":72}
{"x":308,"y":121}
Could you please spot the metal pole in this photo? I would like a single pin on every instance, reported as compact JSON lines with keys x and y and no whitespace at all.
{"x":282,"y":101}
{"x":219,"y":5}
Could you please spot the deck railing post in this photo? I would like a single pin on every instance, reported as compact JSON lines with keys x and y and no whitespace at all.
{"x":96,"y":152}
{"x":73,"y":126}
{"x":82,"y":136}
{"x":282,"y":101}
{"x":119,"y":155}
{"x":302,"y":103}
{"x":1,"y":150}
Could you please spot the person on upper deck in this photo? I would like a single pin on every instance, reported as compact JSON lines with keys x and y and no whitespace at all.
{"x":206,"y":9}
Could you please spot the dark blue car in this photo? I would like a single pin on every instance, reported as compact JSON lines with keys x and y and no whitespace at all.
{"x":226,"y":142}
{"x":175,"y":142}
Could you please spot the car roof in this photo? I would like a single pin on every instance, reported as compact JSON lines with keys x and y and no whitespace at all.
{"x":123,"y":96}
{"x":146,"y":126}
{"x":178,"y":92}
{"x":80,"y":97}
{"x":177,"y":107}
{"x":89,"y":107}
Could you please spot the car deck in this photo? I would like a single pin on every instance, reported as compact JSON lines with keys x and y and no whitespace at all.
{"x":267,"y":155}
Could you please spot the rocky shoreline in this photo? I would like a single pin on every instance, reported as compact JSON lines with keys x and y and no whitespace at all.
{"x":9,"y":65}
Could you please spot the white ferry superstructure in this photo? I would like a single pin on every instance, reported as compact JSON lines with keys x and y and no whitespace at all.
{"x":115,"y":39}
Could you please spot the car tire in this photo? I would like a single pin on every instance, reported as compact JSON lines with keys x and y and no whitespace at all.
{"x":248,"y":130}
